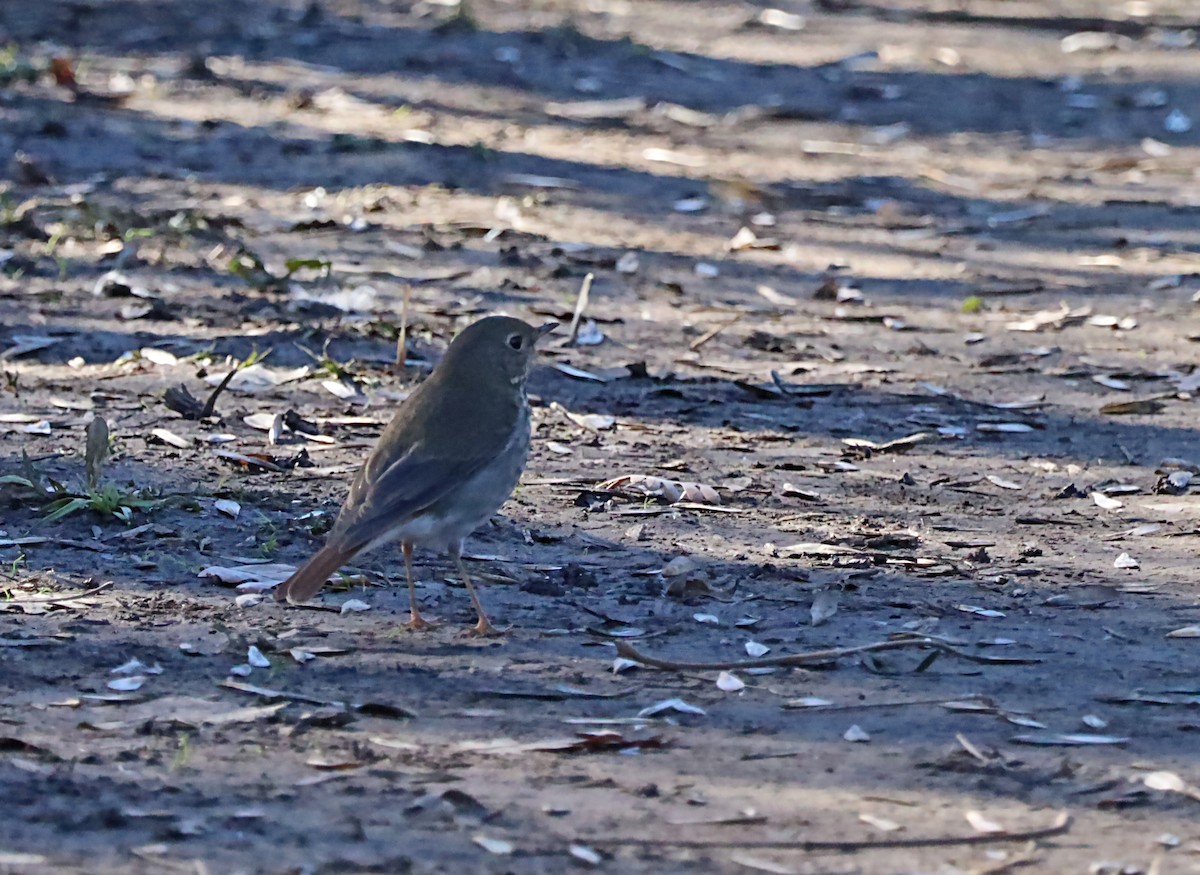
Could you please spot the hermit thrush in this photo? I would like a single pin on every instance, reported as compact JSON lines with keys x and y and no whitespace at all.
{"x":446,"y":462}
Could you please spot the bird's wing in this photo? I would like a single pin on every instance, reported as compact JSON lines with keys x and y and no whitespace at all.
{"x":382,"y":499}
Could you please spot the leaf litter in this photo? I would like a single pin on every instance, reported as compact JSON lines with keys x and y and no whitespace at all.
{"x":784,"y":429}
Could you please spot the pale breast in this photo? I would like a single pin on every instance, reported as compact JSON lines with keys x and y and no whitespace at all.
{"x":471,"y":504}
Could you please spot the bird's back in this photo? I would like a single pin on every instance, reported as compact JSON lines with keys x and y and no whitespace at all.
{"x":432,"y":449}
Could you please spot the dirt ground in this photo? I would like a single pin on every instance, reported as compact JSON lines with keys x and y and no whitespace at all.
{"x":906,"y":284}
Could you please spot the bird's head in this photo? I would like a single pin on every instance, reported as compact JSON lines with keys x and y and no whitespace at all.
{"x":498,"y":348}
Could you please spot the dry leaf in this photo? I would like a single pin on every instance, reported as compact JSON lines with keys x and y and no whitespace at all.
{"x":578,"y":373}
{"x":807,"y":702}
{"x":677,"y":705}
{"x":782,"y":20}
{"x":97,"y":449}
{"x":340,"y":390}
{"x":759,"y":864}
{"x":591,"y":421}
{"x":1125,"y":561}
{"x":1168,"y":781}
{"x":880,"y":823}
{"x":988,"y":613}
{"x":267,"y":574}
{"x":671,"y":491}
{"x":585,"y":855}
{"x":1111,"y":382}
{"x":494,"y":846}
{"x":136,"y":666}
{"x":730,"y":683}
{"x":127,"y":684}
{"x":856,"y":734}
{"x":1079,"y":739}
{"x":1004,"y":427}
{"x":158,"y":356}
{"x":260,"y":421}
{"x":824,"y":606}
{"x":255,"y":657}
{"x":979,"y":823}
{"x":169,"y":437}
{"x":1130,"y":408}
{"x":1185,"y":632}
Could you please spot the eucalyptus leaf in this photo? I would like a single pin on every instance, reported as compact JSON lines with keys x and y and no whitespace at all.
{"x":97,"y":450}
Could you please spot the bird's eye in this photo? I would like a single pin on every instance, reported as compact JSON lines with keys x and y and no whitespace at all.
{"x":516,"y":341}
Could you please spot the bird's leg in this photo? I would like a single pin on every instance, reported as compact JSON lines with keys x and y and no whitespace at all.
{"x":484,"y":626}
{"x":415,"y":621}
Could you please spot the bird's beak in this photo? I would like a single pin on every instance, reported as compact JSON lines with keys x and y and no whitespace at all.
{"x":543,"y":330}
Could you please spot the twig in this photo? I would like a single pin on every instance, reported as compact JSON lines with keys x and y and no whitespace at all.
{"x":713,"y":332}
{"x":43,"y":600}
{"x":580,"y":305}
{"x":402,"y":340}
{"x":1061,"y":826}
{"x":627,"y":650}
{"x":211,"y":404}
{"x":268,"y":693}
{"x":872,"y":706}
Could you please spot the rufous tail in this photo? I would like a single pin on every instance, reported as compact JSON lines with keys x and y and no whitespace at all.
{"x":311,"y":576}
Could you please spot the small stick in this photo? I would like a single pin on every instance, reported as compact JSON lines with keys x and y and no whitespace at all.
{"x":211,"y":404}
{"x":268,"y":693}
{"x":713,"y":332}
{"x":402,"y":340}
{"x":627,"y":650}
{"x":1061,"y":825}
{"x":580,"y":305}
{"x":48,"y":600}
{"x":871,"y":706}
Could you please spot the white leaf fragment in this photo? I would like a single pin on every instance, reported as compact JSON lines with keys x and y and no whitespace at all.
{"x":127,"y":684}
{"x":621,"y":664}
{"x":585,"y":855}
{"x":856,"y":734}
{"x":1167,"y":781}
{"x":494,"y":846}
{"x":677,"y":705}
{"x":980,"y":823}
{"x":136,"y":666}
{"x":880,"y":823}
{"x":255,"y":657}
{"x":824,"y":606}
{"x":1125,"y":561}
{"x":1076,"y":739}
{"x":988,"y":613}
{"x":730,"y":683}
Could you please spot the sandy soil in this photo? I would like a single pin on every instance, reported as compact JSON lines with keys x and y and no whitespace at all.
{"x":907,"y":284}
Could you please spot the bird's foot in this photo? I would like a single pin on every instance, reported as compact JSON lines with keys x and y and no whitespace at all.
{"x":485,"y":629}
{"x":418,"y":623}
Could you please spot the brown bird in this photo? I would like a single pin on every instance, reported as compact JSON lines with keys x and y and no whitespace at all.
{"x":446,"y":462}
